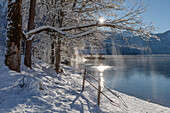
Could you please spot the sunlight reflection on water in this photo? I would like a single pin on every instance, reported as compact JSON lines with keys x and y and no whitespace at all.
{"x":145,"y":77}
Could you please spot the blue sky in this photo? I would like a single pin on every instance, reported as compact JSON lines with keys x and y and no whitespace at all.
{"x":158,"y":12}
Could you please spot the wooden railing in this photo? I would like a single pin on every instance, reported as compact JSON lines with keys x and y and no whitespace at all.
{"x":100,"y":92}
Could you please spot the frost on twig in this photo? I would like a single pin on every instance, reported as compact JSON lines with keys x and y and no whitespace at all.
{"x":80,"y":16}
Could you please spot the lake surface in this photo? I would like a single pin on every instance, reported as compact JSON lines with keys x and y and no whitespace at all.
{"x":145,"y":77}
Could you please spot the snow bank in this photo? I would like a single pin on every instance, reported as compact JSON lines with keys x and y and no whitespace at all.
{"x":41,"y":90}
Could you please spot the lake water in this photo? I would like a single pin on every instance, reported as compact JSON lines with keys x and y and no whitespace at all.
{"x":145,"y":77}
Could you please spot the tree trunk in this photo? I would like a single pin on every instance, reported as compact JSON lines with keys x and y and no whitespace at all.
{"x":27,"y":60}
{"x":58,"y":51}
{"x":53,"y":43}
{"x":14,"y":35}
{"x":58,"y":55}
{"x":52,"y":53}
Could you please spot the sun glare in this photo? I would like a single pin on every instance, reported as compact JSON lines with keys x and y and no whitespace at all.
{"x":101,"y":20}
{"x":101,"y":68}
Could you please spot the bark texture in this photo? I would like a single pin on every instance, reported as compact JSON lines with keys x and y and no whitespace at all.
{"x":58,"y":55}
{"x":14,"y":35}
{"x":58,"y":51}
{"x":53,"y":44}
{"x":52,"y":53}
{"x":27,"y":59}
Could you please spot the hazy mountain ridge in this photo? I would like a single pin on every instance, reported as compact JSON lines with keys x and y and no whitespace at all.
{"x":127,"y":43}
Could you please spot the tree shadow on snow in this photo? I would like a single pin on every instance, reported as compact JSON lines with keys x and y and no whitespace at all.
{"x":92,"y":108}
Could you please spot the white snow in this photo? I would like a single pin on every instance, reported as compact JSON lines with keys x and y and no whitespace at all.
{"x":43,"y":28}
{"x":30,"y":35}
{"x":41,"y":90}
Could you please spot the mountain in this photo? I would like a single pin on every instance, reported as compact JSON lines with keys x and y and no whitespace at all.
{"x":162,"y":46}
{"x":127,"y":43}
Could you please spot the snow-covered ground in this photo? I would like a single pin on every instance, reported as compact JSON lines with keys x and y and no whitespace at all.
{"x":40,"y":89}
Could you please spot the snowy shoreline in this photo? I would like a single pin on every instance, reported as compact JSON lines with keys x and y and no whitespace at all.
{"x":46,"y":92}
{"x":135,"y":105}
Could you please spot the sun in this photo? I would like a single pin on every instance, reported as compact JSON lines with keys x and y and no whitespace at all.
{"x":101,"y":20}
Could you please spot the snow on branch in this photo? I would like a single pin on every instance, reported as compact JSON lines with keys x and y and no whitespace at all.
{"x":62,"y":30}
{"x":43,"y":28}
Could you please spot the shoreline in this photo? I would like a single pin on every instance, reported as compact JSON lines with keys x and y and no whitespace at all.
{"x":134,"y":104}
{"x":61,"y":93}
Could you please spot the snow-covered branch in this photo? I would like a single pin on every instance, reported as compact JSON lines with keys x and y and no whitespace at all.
{"x":63,"y":30}
{"x":44,"y":28}
{"x":129,"y":19}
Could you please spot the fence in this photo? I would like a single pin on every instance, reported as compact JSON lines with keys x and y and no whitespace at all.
{"x":100,"y":92}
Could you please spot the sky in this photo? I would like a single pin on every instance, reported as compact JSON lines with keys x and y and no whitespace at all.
{"x":158,"y":12}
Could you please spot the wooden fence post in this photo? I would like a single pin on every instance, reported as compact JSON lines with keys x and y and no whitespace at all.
{"x":84,"y":77}
{"x":99,"y":90}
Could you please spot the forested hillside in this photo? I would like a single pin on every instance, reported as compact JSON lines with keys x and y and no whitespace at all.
{"x":127,"y":43}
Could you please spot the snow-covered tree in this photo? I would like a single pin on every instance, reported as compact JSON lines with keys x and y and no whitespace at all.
{"x":49,"y":14}
{"x":80,"y":18}
{"x":94,"y":14}
{"x":14,"y":35}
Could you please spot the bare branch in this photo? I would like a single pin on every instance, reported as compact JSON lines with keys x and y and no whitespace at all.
{"x":84,"y":5}
{"x":74,"y":4}
{"x":78,"y":26}
{"x":81,"y":34}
